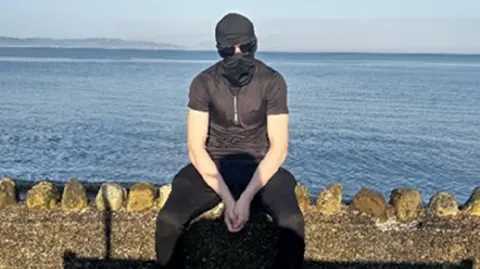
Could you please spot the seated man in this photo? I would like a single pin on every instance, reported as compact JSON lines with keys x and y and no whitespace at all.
{"x":237,"y":132}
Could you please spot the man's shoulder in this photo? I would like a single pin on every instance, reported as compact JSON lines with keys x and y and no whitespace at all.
{"x":266,"y":71}
{"x":268,"y":74}
{"x":205,"y":75}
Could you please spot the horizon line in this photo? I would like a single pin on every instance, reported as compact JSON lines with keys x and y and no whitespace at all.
{"x":175,"y":46}
{"x":267,"y":51}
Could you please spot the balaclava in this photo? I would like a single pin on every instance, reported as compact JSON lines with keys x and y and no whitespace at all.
{"x":235,"y":29}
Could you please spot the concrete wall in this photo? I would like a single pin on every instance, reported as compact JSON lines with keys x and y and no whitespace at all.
{"x":64,"y":226}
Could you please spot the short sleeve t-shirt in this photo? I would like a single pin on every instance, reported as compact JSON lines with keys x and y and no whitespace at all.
{"x":238,"y":117}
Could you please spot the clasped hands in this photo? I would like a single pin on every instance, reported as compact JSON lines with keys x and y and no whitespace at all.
{"x":237,"y":213}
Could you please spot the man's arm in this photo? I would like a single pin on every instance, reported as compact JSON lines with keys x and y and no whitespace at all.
{"x":278,"y":134}
{"x":197,"y":130}
{"x":276,"y":155}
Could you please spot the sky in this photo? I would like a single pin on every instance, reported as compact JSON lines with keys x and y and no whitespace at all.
{"x":302,"y":25}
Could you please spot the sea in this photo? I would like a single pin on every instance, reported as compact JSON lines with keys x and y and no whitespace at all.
{"x":380,"y":121}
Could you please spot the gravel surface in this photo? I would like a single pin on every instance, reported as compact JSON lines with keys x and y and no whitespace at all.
{"x":40,"y":239}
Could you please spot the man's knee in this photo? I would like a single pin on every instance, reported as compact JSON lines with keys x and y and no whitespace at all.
{"x":285,"y":174}
{"x":292,"y":221}
{"x":172,"y":216}
{"x":169,"y":219}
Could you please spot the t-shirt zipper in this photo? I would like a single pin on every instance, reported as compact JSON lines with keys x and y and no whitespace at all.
{"x":235,"y":115}
{"x":234,"y":92}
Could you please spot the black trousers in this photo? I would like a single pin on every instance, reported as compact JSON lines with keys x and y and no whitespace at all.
{"x":191,"y":196}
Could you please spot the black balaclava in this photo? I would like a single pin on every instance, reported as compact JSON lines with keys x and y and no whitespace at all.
{"x":235,"y":29}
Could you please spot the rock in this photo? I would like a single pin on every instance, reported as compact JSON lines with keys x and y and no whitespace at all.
{"x":329,"y":201}
{"x":74,"y":197}
{"x":407,"y":204}
{"x":443,"y":204}
{"x":43,"y":195}
{"x":215,"y":212}
{"x":472,"y":206}
{"x":7,"y":193}
{"x":141,"y":196}
{"x":476,"y":263}
{"x":163,"y":195}
{"x":303,"y":197}
{"x":370,"y":202}
{"x":115,"y":196}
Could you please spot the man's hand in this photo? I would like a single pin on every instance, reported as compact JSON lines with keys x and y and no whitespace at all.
{"x":242,"y":212}
{"x":227,"y":199}
{"x":230,"y":215}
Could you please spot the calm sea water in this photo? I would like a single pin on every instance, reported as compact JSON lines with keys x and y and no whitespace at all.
{"x":379,"y":121}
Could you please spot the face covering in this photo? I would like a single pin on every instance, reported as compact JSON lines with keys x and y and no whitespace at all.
{"x":231,"y":30}
{"x":238,"y":69}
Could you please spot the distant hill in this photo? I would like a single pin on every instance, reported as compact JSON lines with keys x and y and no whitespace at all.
{"x":83,"y":43}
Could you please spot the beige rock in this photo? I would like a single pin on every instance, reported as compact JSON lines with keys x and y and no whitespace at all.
{"x":74,"y":196}
{"x":329,"y":201}
{"x":476,"y":262}
{"x":472,"y":206}
{"x":215,"y":212}
{"x":303,"y":197}
{"x":443,"y":204}
{"x":407,"y":204}
{"x":141,"y":196}
{"x":164,"y":192}
{"x":114,"y":195}
{"x":7,"y":193}
{"x":370,"y":202}
{"x":43,"y":195}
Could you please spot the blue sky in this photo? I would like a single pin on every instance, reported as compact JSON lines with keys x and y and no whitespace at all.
{"x":343,"y":25}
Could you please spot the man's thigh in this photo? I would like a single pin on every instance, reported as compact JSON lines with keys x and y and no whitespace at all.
{"x":278,"y":197}
{"x":190,"y":196}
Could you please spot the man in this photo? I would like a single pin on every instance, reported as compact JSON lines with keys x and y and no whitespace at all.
{"x":237,"y":132}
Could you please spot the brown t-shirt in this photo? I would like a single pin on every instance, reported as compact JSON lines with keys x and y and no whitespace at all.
{"x":238,"y":117}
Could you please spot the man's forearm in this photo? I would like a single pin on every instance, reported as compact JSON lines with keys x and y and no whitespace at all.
{"x":209,"y":172}
{"x":265,"y":170}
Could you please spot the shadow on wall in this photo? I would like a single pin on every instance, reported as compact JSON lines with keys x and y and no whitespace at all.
{"x":240,"y":257}
{"x":73,"y":262}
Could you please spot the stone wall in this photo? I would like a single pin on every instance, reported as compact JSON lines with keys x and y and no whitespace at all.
{"x":50,"y":221}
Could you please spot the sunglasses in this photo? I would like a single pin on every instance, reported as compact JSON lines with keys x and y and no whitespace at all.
{"x":229,"y":51}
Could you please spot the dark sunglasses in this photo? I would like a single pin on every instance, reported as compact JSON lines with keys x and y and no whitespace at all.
{"x":229,"y":51}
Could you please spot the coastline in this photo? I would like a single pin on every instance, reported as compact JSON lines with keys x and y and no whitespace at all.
{"x":266,"y":52}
